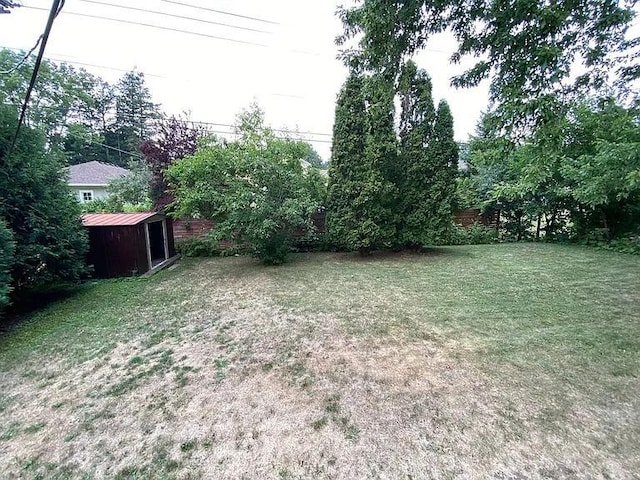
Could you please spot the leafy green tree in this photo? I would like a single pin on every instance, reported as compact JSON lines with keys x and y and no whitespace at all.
{"x":7,"y":249}
{"x":72,"y":107}
{"x":62,"y":95}
{"x":316,"y":185}
{"x":519,"y":179}
{"x":602,"y":167}
{"x":313,"y":157}
{"x":39,"y":209}
{"x":530,"y":50}
{"x":255,"y":189}
{"x":579,"y":169}
{"x":132,"y":192}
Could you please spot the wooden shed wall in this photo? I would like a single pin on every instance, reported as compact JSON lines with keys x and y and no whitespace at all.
{"x":118,"y":251}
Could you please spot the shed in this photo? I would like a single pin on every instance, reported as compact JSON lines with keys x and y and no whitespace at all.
{"x":127,"y":244}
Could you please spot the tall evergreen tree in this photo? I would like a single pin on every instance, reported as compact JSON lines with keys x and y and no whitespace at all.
{"x":356,"y":218}
{"x":382,"y":154}
{"x":135,"y":114}
{"x":417,"y":119}
{"x":38,"y":208}
{"x":444,"y":154}
{"x":347,"y":153}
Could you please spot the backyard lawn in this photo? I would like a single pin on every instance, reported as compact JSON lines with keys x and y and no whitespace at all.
{"x":499,"y":361}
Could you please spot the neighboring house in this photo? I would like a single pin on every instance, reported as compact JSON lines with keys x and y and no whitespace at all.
{"x":89,"y":180}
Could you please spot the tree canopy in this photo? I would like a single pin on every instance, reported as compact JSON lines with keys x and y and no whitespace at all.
{"x":82,"y":116}
{"x":254,"y":188}
{"x":390,"y":187}
{"x":532,"y":51}
{"x":38,"y":209}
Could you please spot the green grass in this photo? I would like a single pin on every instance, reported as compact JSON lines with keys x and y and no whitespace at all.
{"x":91,"y":322}
{"x":525,"y":303}
{"x":503,"y":345}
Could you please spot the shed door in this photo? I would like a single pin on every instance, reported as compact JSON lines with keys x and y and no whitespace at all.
{"x":157,"y":242}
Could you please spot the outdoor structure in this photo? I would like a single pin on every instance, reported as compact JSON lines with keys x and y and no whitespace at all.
{"x":89,"y":180}
{"x":470,"y":216}
{"x":127,"y":244}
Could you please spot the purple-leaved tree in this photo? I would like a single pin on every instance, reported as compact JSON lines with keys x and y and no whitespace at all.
{"x":177,"y":138}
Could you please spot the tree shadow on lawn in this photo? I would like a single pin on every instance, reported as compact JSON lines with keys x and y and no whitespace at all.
{"x":23,"y":306}
{"x":402,"y":255}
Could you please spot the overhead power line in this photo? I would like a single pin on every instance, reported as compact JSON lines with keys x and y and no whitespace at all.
{"x":56,"y":7}
{"x":274,"y":129}
{"x":221,"y":12}
{"x":133,"y":154}
{"x":23,"y":59}
{"x":83,"y":64}
{"x":150,"y":25}
{"x":302,"y":139}
{"x":155,"y":12}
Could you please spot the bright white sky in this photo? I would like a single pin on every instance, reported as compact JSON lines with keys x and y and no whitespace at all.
{"x":294,"y":76}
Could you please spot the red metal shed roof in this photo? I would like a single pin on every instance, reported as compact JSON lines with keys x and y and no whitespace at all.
{"x":115,"y":219}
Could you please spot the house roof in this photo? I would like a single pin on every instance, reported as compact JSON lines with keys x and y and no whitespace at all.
{"x":95,"y":173}
{"x":115,"y":219}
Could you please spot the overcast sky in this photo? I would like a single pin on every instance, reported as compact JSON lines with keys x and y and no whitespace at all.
{"x":288,"y":65}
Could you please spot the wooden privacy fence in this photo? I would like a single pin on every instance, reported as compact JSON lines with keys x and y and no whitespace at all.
{"x":467,"y":217}
{"x":188,"y":228}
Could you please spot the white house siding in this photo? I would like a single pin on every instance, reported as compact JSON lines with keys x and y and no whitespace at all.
{"x":98,"y":192}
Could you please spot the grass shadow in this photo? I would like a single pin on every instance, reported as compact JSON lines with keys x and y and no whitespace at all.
{"x":28,"y":303}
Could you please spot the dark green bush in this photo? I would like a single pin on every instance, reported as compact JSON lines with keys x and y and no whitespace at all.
{"x":598,"y":240}
{"x":39,"y":209}
{"x":7,"y":250}
{"x":475,"y":234}
{"x":198,"y":247}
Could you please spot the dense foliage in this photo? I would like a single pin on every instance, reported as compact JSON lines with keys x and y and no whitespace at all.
{"x":428,"y":162}
{"x":38,"y":208}
{"x":81,"y":115}
{"x":535,"y":53}
{"x":358,"y":215}
{"x":7,"y":249}
{"x":576,"y":178}
{"x":387,"y":187}
{"x":130,"y":193}
{"x":255,"y":189}
{"x":558,"y":150}
{"x":176,"y":138}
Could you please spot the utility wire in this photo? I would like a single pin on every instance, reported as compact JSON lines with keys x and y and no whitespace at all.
{"x":23,"y":59}
{"x":129,"y":22}
{"x":174,"y":16}
{"x":274,"y":129}
{"x":133,"y":154}
{"x":56,"y":7}
{"x":221,"y":12}
{"x":83,"y":64}
{"x":115,"y":69}
{"x":310,"y":140}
